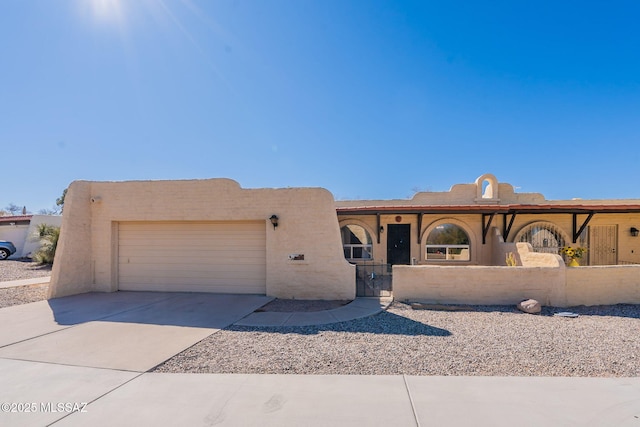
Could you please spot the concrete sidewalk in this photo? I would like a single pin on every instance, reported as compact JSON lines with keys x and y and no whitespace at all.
{"x":25,"y":282}
{"x":83,"y":360}
{"x":62,"y":395}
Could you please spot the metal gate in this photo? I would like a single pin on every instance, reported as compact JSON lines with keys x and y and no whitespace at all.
{"x":547,"y":237}
{"x":373,"y":280}
{"x":544,"y":237}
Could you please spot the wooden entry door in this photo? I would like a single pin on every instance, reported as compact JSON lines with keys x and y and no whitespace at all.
{"x":603,"y":245}
{"x":398,"y":244}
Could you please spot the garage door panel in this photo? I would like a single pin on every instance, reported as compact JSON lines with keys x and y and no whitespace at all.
{"x":198,"y":257}
{"x":178,"y":281}
{"x":147,"y":270}
{"x":197,"y":239}
{"x":189,"y":257}
{"x":179,"y":230}
{"x":180,"y":248}
{"x":181,"y":281}
{"x":189,"y":287}
{"x":220,"y":287}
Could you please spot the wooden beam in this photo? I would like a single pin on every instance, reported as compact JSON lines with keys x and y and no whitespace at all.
{"x":486,"y":225}
{"x":578,"y":232}
{"x":506,"y":229}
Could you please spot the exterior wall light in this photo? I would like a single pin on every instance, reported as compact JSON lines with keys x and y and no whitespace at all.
{"x":274,"y":220}
{"x":634,"y":231}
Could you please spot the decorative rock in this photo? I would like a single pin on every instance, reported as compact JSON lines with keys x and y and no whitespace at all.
{"x":530,"y":306}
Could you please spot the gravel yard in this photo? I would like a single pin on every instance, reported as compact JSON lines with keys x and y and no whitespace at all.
{"x":22,"y":295}
{"x":22,"y":269}
{"x":18,"y":270}
{"x":604,"y":341}
{"x":490,"y":340}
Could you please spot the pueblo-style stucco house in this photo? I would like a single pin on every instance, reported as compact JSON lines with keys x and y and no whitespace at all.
{"x":449,"y":247}
{"x":455,"y":227}
{"x":200,"y":236}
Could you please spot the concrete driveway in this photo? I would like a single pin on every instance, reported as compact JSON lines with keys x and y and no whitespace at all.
{"x":82,"y":360}
{"x":129,"y":331}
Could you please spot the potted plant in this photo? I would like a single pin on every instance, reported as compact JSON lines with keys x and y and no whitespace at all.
{"x":573,"y":254}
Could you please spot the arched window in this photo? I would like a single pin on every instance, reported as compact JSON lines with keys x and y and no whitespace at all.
{"x":356,"y":242}
{"x":447,"y":242}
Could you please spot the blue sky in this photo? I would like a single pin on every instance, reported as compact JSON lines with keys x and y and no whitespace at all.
{"x":369,"y":99}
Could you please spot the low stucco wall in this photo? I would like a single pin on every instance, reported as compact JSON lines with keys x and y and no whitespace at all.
{"x":552,"y":286}
{"x":478,"y":284}
{"x":86,"y":258}
{"x":538,"y":276}
{"x":611,"y":284}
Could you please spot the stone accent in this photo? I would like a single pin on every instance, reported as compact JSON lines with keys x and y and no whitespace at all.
{"x":530,"y":306}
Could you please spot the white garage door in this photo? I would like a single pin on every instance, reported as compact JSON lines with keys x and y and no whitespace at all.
{"x":225,"y":257}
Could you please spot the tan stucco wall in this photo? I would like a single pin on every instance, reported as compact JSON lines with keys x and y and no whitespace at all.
{"x":478,"y":284}
{"x":72,"y":271}
{"x":552,"y":285}
{"x":616,"y":284}
{"x":538,"y":276}
{"x":86,"y":257}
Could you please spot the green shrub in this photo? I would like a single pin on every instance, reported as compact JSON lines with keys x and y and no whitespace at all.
{"x":48,"y":236}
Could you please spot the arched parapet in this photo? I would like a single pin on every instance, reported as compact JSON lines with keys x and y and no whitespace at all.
{"x":487,"y":189}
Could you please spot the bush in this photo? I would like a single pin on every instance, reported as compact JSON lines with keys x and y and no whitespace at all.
{"x":48,"y":236}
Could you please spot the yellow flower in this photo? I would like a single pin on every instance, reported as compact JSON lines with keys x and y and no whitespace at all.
{"x":573,"y":252}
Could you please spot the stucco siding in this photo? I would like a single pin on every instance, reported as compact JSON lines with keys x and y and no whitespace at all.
{"x":554,"y":286}
{"x":603,"y":285}
{"x":87,"y":257}
{"x":73,"y":268}
{"x":476,"y":284}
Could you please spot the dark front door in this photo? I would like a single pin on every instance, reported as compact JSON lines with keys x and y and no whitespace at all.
{"x":398,"y":239}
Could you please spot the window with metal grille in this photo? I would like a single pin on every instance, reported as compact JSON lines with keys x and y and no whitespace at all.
{"x":544,"y":237}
